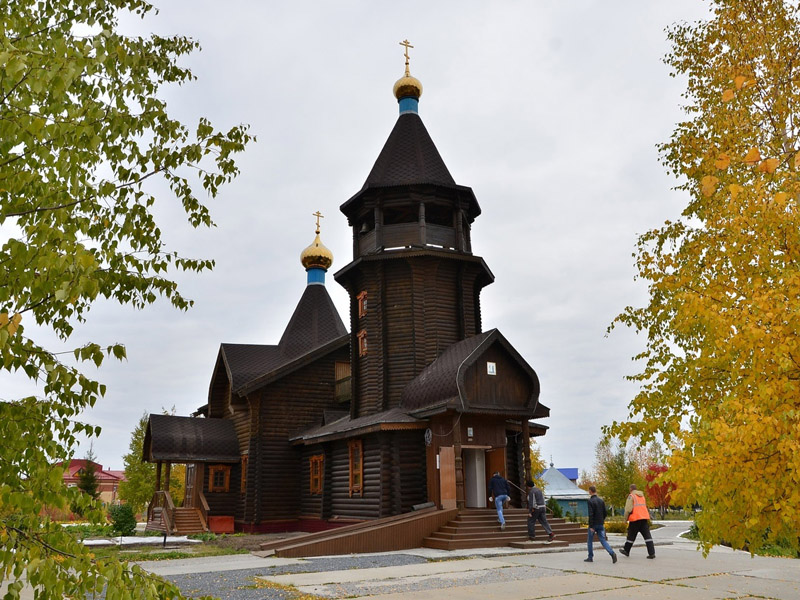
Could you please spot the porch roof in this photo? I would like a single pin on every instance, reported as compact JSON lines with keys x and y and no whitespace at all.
{"x":190,"y":439}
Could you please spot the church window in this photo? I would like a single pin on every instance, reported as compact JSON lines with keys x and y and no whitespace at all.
{"x":219,"y":478}
{"x":362,"y":304}
{"x":244,"y":473}
{"x":356,"y":467}
{"x":362,"y":342}
{"x":316,"y":466}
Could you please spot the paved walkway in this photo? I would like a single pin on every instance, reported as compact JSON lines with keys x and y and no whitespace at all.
{"x":679,"y":572}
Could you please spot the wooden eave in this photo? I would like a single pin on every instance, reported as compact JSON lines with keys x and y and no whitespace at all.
{"x":358,"y":432}
{"x":343,"y":273}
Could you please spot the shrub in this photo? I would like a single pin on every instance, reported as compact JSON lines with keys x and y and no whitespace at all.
{"x":555,"y":508}
{"x":123,"y":521}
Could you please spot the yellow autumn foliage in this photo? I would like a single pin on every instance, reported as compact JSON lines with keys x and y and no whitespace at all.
{"x":720,"y":376}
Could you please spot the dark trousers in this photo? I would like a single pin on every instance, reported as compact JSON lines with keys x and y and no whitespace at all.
{"x":636,"y":527}
{"x":539,"y":515}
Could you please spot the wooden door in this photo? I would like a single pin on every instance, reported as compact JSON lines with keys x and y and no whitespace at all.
{"x":189,"y":485}
{"x":495,"y":461}
{"x":447,"y":477}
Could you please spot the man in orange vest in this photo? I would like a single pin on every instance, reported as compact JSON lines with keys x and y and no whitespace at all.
{"x":638,"y":522}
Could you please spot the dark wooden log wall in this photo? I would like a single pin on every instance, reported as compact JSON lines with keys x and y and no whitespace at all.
{"x":367,"y":505}
{"x":400,"y":337}
{"x":487,"y":430}
{"x":288,"y":406}
{"x":405,"y":471}
{"x":510,"y":388}
{"x":223,"y":503}
{"x":310,"y":504}
{"x":418,"y":305}
{"x":220,"y":390}
{"x":394,"y":476}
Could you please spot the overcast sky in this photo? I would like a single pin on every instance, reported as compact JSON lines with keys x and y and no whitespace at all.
{"x":549,"y":110}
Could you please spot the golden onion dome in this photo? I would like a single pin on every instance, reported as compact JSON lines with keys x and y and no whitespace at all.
{"x":316,"y":256}
{"x":407,"y":86}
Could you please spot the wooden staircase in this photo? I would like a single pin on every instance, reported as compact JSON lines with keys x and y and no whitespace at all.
{"x":165,"y":517}
{"x":187,"y":521}
{"x":478,"y":528}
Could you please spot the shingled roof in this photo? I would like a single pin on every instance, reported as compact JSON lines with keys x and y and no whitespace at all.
{"x":410,"y":158}
{"x":438,"y":383}
{"x":394,"y":418}
{"x":180,"y":439}
{"x":315,"y":322}
{"x":314,"y":326}
{"x":439,"y":386}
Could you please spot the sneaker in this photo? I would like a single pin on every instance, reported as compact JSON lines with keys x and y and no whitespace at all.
{"x":533,"y":539}
{"x":502,"y":526}
{"x":624,"y":552}
{"x":614,"y":558}
{"x":551,"y":537}
{"x":588,"y":560}
{"x":651,"y":556}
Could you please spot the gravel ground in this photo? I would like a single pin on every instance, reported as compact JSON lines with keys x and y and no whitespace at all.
{"x":242,"y":584}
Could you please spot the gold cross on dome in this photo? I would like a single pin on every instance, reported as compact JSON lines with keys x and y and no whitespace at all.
{"x":319,"y":216}
{"x":407,"y":45}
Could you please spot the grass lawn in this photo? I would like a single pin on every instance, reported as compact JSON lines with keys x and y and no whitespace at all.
{"x":158,"y":552}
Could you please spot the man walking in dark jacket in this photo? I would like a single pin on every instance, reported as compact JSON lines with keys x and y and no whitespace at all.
{"x":498,"y":490}
{"x":537,"y":511}
{"x":597,"y":519}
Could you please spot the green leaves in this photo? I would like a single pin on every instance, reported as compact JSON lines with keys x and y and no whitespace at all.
{"x":83,"y":132}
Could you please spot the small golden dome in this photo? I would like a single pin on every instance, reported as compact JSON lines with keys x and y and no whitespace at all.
{"x":316,"y":256}
{"x":407,"y":86}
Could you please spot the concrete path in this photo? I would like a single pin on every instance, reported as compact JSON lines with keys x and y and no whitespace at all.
{"x":677,"y":572}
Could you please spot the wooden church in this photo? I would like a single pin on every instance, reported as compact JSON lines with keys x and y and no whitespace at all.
{"x":417,"y":405}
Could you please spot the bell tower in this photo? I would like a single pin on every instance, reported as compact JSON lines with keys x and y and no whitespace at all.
{"x":414,"y":282}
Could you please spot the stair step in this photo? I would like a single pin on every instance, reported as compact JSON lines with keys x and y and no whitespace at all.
{"x":478,"y":527}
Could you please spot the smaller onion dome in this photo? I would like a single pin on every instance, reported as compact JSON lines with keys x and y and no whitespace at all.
{"x":407,"y":87}
{"x":316,"y":256}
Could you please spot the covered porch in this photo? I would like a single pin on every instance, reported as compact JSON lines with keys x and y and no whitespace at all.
{"x":197,"y":443}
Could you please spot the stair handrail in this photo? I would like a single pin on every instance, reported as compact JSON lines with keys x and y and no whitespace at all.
{"x":167,"y":510}
{"x":204,"y":509}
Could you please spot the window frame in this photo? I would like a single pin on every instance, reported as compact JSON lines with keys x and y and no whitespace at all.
{"x":243,"y":479}
{"x":316,"y":474}
{"x":356,"y":470}
{"x":362,"y":342}
{"x":362,"y":304}
{"x":226,"y":477}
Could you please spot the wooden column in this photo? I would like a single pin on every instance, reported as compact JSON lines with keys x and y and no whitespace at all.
{"x":166,"y":476}
{"x":158,"y":476}
{"x":460,"y":504}
{"x":526,"y":459}
{"x":378,"y":227}
{"x":526,"y":450}
{"x":458,"y":218}
{"x":423,"y":234}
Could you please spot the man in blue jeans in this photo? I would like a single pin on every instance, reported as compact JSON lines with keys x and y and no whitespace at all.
{"x":597,"y":519}
{"x":498,"y":490}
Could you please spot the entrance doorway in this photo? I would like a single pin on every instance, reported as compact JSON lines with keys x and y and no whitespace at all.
{"x":474,"y":477}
